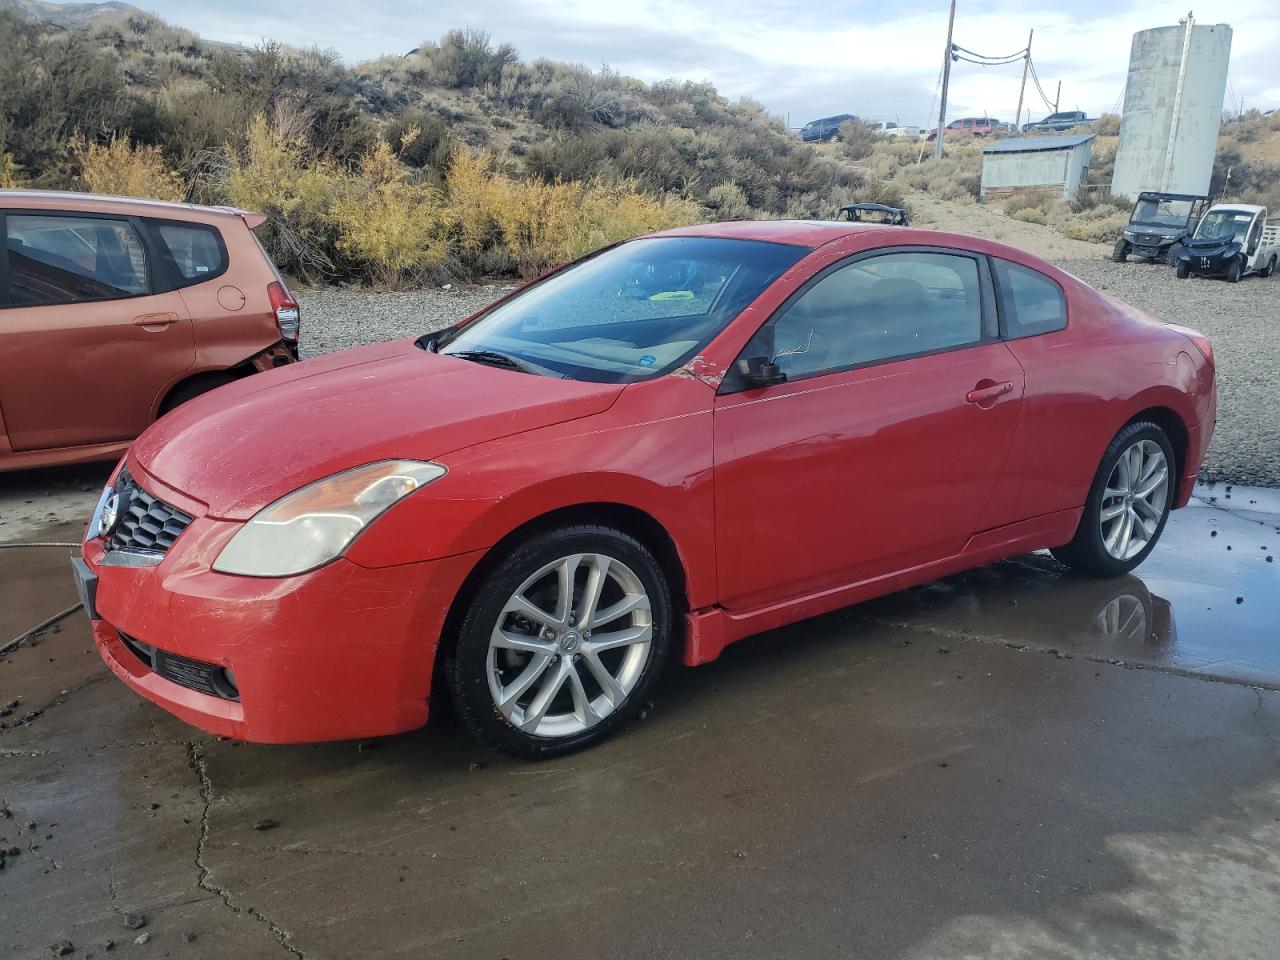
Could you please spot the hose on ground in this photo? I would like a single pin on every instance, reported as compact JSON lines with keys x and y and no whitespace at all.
{"x":17,"y":641}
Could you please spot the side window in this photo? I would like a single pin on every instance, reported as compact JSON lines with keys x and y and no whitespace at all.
{"x":878,"y":308}
{"x":1030,"y":302}
{"x":68,"y":259}
{"x":197,"y":250}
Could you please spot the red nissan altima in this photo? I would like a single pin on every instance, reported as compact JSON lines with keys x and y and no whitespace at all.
{"x":669,"y":445}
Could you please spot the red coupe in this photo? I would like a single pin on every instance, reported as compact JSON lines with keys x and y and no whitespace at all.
{"x":669,"y":445}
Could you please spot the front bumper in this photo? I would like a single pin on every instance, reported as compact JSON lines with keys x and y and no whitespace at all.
{"x":339,"y":653}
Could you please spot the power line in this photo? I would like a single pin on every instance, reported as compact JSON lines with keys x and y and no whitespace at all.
{"x":1039,"y":89}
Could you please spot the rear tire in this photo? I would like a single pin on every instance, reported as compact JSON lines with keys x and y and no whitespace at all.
{"x":1271,"y":268}
{"x":1137,"y":492}
{"x":1121,"y":252}
{"x":526,"y":675}
{"x":190,"y":389}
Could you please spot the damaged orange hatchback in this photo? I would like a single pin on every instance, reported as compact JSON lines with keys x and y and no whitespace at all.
{"x":114,"y":311}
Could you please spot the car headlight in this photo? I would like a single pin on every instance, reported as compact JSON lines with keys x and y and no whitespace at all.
{"x":315,"y":524}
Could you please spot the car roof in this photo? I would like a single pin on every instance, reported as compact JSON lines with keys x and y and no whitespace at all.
{"x":1157,"y":195}
{"x":1236,"y":208}
{"x":815,"y":233}
{"x":126,"y":206}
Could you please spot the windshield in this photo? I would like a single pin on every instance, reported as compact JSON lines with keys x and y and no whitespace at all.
{"x":1229,"y":226}
{"x":631,"y":313}
{"x":1162,"y":213}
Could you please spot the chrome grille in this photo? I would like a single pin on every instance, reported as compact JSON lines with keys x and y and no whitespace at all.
{"x":146,"y":523}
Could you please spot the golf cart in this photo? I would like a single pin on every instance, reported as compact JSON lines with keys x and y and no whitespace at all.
{"x":1158,"y":222}
{"x":1232,"y":241}
{"x":873,"y":213}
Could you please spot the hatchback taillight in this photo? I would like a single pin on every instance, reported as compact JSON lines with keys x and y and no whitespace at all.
{"x":288,"y":316}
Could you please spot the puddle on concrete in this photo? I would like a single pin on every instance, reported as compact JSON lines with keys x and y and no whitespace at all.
{"x":1179,"y":609}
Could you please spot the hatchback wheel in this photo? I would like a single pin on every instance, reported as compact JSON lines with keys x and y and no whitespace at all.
{"x":562,"y":643}
{"x":1127,"y":506}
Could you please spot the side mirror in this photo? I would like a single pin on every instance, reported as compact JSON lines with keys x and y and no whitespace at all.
{"x":760,"y":372}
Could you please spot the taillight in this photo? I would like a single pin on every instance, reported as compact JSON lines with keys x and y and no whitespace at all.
{"x":288,"y":316}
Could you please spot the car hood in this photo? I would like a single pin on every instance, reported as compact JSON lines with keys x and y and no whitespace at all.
{"x":250,"y":443}
{"x":1209,"y":248}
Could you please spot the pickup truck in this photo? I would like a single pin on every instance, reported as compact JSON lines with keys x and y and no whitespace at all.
{"x":1233,"y":240}
{"x":1055,"y":122}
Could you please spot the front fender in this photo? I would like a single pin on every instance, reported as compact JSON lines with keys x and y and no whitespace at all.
{"x":661,"y":467}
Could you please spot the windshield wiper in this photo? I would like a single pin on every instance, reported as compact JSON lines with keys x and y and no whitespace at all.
{"x":495,"y":359}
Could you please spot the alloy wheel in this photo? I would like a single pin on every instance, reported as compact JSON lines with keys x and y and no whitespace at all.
{"x":1135,"y":500}
{"x":569,"y":645}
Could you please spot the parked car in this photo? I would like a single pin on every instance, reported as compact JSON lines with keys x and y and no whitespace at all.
{"x":890,"y":128}
{"x":880,"y":213}
{"x":1158,"y":224}
{"x":1057,"y":122}
{"x":828,"y":128}
{"x":974,"y":126}
{"x":114,"y":311}
{"x":1232,"y":241}
{"x":674,"y":443}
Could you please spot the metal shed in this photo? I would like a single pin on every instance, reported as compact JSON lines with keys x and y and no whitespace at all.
{"x":1036,"y":163}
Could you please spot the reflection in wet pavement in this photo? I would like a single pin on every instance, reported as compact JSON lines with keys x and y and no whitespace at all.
{"x":1207,"y":600}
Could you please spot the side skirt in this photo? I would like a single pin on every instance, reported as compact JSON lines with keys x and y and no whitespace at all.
{"x":710,"y":630}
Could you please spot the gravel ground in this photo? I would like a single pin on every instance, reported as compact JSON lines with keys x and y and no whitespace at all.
{"x":335,"y":318}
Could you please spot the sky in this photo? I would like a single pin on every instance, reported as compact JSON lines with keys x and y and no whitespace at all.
{"x":803,"y":60}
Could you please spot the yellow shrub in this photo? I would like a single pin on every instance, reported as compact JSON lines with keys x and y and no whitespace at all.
{"x":541,"y":225}
{"x":392,"y":227}
{"x":121,"y":169}
{"x":10,"y":172}
{"x":477,"y":197}
{"x":271,"y":177}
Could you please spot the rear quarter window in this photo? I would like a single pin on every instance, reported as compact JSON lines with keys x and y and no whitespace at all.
{"x":196,"y":251}
{"x":1030,"y":303}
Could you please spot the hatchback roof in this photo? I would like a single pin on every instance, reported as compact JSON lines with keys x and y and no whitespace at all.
{"x":54,"y":199}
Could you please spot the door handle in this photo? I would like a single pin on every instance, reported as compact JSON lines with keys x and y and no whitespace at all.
{"x":986,"y":392}
{"x":155,"y":320}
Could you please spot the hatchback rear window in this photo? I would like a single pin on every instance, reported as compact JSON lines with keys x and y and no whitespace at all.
{"x":197,"y":250}
{"x":68,"y":259}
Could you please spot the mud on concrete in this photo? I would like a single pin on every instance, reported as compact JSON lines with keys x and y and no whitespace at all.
{"x":1007,"y":763}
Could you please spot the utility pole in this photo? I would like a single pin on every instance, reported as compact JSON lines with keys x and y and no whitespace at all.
{"x":1057,"y":97}
{"x":1026,"y":65}
{"x":946,"y":79}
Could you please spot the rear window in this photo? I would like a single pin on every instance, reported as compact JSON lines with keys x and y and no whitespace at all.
{"x":69,"y":259}
{"x":1030,"y":302}
{"x":197,"y":250}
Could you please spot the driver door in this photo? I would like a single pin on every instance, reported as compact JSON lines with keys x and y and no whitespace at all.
{"x":883,"y":447}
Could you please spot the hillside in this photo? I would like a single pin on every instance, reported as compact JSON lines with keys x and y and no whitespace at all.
{"x":457,"y":158}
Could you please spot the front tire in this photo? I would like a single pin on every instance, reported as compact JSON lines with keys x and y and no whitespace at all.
{"x":1121,"y":252}
{"x":1127,"y":506}
{"x":562,"y":643}
{"x":1234,"y":271}
{"x":1183,"y":270}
